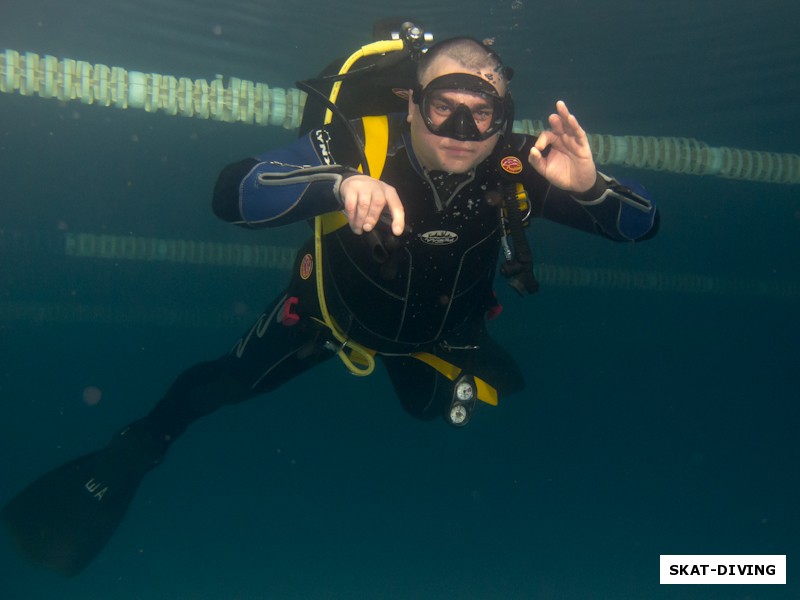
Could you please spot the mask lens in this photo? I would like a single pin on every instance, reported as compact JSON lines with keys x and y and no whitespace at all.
{"x":467,"y":112}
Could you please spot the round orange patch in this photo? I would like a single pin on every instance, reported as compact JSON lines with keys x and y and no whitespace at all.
{"x":511,"y":164}
{"x":306,"y":266}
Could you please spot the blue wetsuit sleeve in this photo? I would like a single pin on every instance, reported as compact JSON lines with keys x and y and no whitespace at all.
{"x":290,"y":184}
{"x":620,"y":212}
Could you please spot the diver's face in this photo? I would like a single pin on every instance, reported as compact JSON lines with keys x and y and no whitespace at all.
{"x":438,"y":153}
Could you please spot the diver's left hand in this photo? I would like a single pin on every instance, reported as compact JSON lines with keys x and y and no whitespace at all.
{"x":569,"y":164}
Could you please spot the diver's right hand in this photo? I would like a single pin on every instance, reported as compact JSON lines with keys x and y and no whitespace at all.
{"x":364,"y":199}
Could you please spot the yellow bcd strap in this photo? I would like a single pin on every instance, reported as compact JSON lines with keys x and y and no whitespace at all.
{"x":376,"y":144}
{"x":485,"y":392}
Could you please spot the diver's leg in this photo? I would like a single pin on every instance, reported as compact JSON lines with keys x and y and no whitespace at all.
{"x":269,"y":354}
{"x":423,"y":392}
{"x":473,"y":350}
{"x":63,"y":519}
{"x":426,"y":394}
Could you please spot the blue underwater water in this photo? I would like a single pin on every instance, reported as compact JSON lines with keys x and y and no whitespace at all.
{"x":660,"y":414}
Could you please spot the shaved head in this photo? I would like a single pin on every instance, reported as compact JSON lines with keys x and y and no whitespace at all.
{"x":471,"y":55}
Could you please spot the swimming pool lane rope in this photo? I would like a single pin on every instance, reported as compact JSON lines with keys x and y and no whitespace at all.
{"x":242,"y":101}
{"x":117,"y":249}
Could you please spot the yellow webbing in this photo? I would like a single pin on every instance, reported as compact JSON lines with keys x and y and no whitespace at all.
{"x":332,"y":221}
{"x":376,"y":143}
{"x":485,"y":392}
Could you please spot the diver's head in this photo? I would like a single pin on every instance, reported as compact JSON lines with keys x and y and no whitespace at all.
{"x":459,"y":106}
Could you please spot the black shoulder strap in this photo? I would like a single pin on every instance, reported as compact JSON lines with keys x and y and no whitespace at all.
{"x":518,"y":267}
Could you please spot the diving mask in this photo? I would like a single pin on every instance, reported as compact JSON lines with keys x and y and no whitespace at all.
{"x":463,"y":107}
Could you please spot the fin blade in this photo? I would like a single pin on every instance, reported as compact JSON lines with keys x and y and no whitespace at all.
{"x":64,"y":519}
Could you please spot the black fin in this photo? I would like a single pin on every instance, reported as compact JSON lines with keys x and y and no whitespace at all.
{"x":63,"y":519}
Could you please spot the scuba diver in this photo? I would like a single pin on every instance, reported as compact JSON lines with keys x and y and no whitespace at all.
{"x":411,"y":212}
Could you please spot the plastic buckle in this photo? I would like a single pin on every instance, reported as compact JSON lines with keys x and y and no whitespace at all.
{"x":495,"y":310}
{"x":288,"y":315}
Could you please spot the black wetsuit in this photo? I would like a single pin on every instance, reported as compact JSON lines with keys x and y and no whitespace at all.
{"x":427,"y":290}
